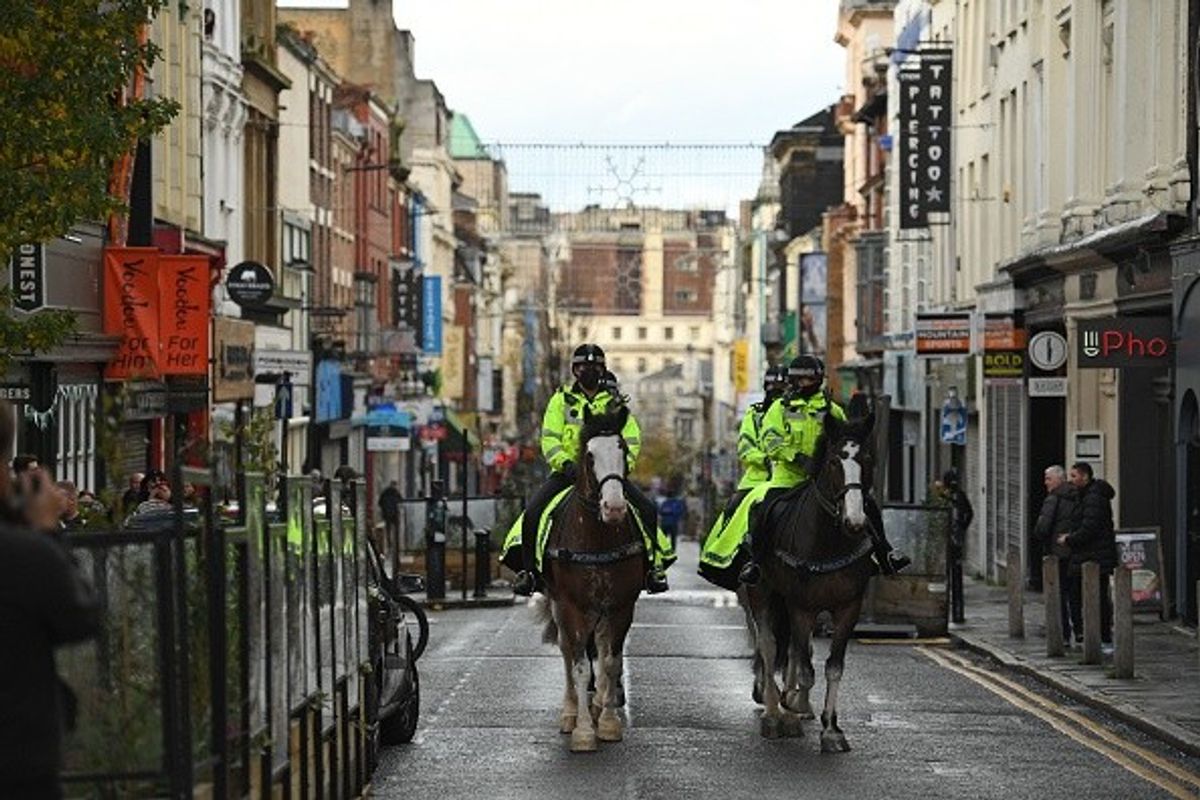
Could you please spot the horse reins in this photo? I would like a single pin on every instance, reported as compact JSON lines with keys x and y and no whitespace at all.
{"x":601,"y":557}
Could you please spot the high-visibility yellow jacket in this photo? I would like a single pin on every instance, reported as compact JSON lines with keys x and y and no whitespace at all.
{"x":790,"y":431}
{"x":563,"y":422}
{"x":756,"y":467}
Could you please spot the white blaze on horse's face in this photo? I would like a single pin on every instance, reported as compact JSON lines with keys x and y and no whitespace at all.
{"x":853,"y":511}
{"x":608,"y":459}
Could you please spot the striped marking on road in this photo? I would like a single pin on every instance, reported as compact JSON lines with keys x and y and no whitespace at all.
{"x":1163,"y":773}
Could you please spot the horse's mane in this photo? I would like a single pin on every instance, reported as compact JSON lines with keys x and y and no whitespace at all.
{"x":609,"y":423}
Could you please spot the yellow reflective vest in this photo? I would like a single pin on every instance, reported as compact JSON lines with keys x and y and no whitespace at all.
{"x":790,"y":431}
{"x":563,"y":422}
{"x":756,"y":467}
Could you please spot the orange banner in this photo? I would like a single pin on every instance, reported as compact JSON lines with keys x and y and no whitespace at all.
{"x":131,"y":303}
{"x":183,"y":312}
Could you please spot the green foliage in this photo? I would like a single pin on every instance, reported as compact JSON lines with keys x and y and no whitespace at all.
{"x":661,"y":456}
{"x":61,"y":65}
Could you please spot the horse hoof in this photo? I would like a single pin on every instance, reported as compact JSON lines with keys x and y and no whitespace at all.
{"x":834,"y":743}
{"x":583,"y":741}
{"x":566,"y":723}
{"x":608,"y":728}
{"x":770,"y":727}
{"x":793,"y":726}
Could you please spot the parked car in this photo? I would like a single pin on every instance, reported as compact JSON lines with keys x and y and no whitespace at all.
{"x":393,"y":686}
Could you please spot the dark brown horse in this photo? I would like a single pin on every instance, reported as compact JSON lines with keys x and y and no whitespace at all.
{"x":594,"y":567}
{"x":819,"y":561}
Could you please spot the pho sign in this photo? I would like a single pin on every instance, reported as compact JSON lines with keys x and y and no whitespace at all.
{"x":1124,"y":342}
{"x":250,"y":284}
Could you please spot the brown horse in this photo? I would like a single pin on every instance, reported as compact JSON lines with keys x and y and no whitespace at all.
{"x":594,"y":568}
{"x":819,"y":561}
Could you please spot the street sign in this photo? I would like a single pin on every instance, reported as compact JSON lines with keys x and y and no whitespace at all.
{"x":1047,"y":387}
{"x":27,"y":271}
{"x":954,"y":423}
{"x":250,"y":284}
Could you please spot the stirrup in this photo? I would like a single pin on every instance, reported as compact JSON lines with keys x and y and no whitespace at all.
{"x":897,"y":561}
{"x":524,"y":584}
{"x":751,"y":574}
{"x":656,"y":582}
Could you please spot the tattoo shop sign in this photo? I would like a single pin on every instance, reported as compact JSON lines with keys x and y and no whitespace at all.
{"x":925,"y":138}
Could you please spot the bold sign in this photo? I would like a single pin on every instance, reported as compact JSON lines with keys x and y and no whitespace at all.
{"x":250,"y":284}
{"x":1004,"y":366}
{"x":943,"y":334}
{"x":741,"y":365}
{"x":131,"y":311}
{"x":406,"y":303}
{"x":184,"y":305}
{"x":934,"y":118}
{"x":1124,"y":342}
{"x":27,"y":270}
{"x":431,"y":315}
{"x":233,"y":373}
{"x":912,"y":209}
{"x":1140,"y":550}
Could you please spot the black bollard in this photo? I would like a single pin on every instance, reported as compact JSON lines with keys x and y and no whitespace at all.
{"x":483,"y":561}
{"x":435,"y":568}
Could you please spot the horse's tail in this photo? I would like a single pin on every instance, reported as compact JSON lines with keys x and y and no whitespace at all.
{"x":545,"y":615}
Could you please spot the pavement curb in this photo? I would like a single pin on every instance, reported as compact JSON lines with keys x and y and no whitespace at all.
{"x":447,"y":603}
{"x":1168,"y":732}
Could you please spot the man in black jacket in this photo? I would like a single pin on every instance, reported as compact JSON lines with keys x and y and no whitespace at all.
{"x":1092,"y":538}
{"x":1058,"y":517}
{"x":44,"y":602}
{"x":961,"y":515}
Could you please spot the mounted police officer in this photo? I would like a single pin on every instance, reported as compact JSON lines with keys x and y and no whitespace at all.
{"x":756,"y":466}
{"x":561,"y":427}
{"x":790,"y":432}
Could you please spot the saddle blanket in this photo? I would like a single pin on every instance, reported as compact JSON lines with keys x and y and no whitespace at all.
{"x":510,"y":553}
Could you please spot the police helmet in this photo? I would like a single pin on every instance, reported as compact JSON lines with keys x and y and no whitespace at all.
{"x":806,"y":366}
{"x":776,"y":377}
{"x":608,"y":382}
{"x":588,"y":354}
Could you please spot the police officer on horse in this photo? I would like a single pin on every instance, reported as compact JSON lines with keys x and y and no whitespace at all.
{"x":561,"y":426}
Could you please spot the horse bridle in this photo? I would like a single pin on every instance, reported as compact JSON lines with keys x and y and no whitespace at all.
{"x":835,"y":505}
{"x":594,"y":504}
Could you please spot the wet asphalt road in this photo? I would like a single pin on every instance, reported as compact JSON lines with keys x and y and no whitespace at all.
{"x":919,"y":722}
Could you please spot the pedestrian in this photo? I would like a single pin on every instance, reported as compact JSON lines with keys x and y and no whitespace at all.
{"x":72,"y":518}
{"x":1092,"y":538}
{"x":389,"y":506}
{"x":133,"y":494}
{"x":1058,"y":516}
{"x":45,"y":601}
{"x":24,"y":463}
{"x":961,"y":514}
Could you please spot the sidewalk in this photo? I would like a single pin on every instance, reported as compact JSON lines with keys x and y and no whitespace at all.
{"x":1162,"y":700}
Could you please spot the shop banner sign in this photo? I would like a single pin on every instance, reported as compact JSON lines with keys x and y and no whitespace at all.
{"x":1003,"y":350}
{"x":431,"y":315}
{"x":27,"y":271}
{"x":131,"y":311}
{"x":1140,"y":550}
{"x":1124,"y":342}
{"x":454,"y":363}
{"x":233,"y":377}
{"x":406,"y":303}
{"x":184,"y":305}
{"x":934,"y":120}
{"x":329,"y":391}
{"x":943,"y":334}
{"x":741,"y":365}
{"x":912,"y":209}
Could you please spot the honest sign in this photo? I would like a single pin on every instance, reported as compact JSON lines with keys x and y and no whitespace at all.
{"x":1124,"y":342}
{"x":27,"y":269}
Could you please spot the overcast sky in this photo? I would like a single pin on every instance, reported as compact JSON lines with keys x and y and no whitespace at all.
{"x":711,"y":71}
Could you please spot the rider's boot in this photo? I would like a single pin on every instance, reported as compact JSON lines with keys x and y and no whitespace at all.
{"x":656,"y":581}
{"x":751,"y":574}
{"x":525,"y":583}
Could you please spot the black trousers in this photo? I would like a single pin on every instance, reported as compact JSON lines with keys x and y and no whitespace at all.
{"x":1106,"y":608}
{"x":391,"y":531}
{"x":533,"y":514}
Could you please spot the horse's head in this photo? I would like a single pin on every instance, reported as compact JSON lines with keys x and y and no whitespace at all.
{"x":603,"y":471}
{"x":847,"y":456}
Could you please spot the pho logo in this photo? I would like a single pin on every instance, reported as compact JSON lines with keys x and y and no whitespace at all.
{"x":1091,"y":343}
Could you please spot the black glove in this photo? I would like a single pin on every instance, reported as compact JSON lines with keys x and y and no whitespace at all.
{"x":568,"y":470}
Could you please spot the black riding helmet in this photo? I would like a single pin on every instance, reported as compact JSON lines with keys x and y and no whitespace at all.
{"x":587,"y":364}
{"x":806,"y":373}
{"x":588,"y":354}
{"x":776,"y":378}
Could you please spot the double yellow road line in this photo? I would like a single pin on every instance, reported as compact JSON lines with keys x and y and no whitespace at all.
{"x":1162,"y":772}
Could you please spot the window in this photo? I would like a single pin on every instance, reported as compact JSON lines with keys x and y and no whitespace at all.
{"x":694,"y":333}
{"x":685,"y":296}
{"x":616,"y":334}
{"x":669,"y":333}
{"x":641,"y":366}
{"x":641,"y":334}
